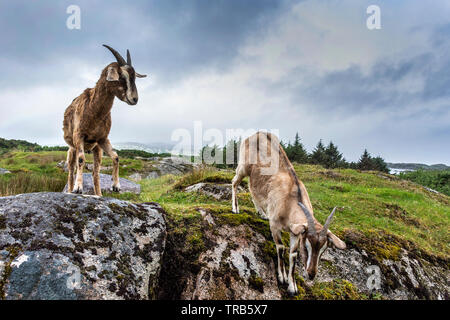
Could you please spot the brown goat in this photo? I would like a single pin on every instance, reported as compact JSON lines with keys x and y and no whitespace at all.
{"x":87,"y":121}
{"x":279,"y":195}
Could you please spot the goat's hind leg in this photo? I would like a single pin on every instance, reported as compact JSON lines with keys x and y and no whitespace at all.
{"x":240,"y":174}
{"x":98,"y":153}
{"x":107,"y":147}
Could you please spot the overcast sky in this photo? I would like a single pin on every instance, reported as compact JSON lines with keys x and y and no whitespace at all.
{"x":307,"y":66}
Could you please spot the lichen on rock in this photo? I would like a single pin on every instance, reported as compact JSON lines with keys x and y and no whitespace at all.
{"x":79,"y":247}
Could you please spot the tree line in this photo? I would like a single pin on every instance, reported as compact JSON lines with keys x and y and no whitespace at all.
{"x":327,"y":156}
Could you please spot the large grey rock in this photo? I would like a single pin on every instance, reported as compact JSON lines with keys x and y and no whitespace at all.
{"x":405,"y":278}
{"x":63,"y":246}
{"x":171,"y":165}
{"x":4,"y":171}
{"x":90,"y":167}
{"x":136,"y":177}
{"x":106,"y":184}
{"x":63,"y":165}
{"x":153,"y":175}
{"x":217,"y":191}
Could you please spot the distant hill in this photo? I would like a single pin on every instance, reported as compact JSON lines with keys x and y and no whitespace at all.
{"x":417,"y":166}
{"x":157,"y":147}
{"x":127,"y":149}
{"x":22,"y":145}
{"x":17,"y":144}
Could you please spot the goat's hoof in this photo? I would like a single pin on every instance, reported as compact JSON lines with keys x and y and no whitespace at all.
{"x":78,"y":191}
{"x":292,"y":291}
{"x":235,"y":211}
{"x":281,"y":280}
{"x":115,"y":189}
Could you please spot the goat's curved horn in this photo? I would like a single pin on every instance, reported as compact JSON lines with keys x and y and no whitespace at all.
{"x":309,"y":218}
{"x":119,"y":58}
{"x":140,"y":75}
{"x":128,"y":58}
{"x":328,"y":221}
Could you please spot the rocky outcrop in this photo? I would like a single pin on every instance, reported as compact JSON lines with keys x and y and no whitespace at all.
{"x":235,"y":267}
{"x":217,"y":191}
{"x":237,"y":260}
{"x":403,"y":278}
{"x":63,"y":246}
{"x":170,"y":165}
{"x":106,"y":183}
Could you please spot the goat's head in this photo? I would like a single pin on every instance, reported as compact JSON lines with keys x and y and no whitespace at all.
{"x":121,"y":77}
{"x":313,"y":242}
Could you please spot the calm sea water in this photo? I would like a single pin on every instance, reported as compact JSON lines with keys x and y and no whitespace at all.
{"x":397,"y":171}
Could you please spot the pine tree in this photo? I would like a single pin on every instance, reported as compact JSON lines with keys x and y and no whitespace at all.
{"x":332,"y":156}
{"x":298,"y":152}
{"x":380,"y":164}
{"x":318,"y":154}
{"x":288,"y":149}
{"x":365,"y":162}
{"x":230,"y":154}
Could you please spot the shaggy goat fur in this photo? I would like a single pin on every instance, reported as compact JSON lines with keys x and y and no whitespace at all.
{"x":87,"y":122}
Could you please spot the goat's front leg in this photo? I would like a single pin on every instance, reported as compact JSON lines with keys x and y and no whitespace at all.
{"x":276,"y":234}
{"x":80,"y":162}
{"x":71,"y":163}
{"x":98,"y":153}
{"x":293,"y":248}
{"x":107,"y":147}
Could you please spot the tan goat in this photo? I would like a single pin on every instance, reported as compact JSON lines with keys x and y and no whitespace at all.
{"x":87,"y":121}
{"x":281,"y":197}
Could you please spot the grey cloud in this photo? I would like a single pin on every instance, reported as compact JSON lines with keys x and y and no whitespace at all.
{"x":170,"y":39}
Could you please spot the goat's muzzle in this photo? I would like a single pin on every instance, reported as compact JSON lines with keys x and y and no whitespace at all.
{"x":132,"y":101}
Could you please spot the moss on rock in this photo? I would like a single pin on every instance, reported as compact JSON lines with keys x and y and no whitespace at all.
{"x":13,"y":253}
{"x":337,"y":289}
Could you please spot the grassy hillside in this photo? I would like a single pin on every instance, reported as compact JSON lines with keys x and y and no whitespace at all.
{"x":376,"y":205}
{"x":379,"y":212}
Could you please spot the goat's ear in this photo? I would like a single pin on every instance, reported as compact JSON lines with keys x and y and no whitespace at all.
{"x":338,"y":243}
{"x":112,"y":74}
{"x":140,"y":75}
{"x":298,"y":228}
